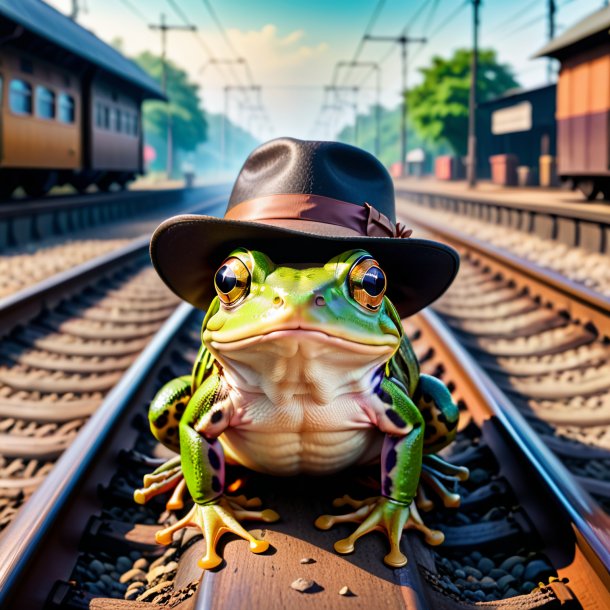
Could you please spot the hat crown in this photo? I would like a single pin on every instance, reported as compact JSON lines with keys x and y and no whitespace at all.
{"x":328,"y":169}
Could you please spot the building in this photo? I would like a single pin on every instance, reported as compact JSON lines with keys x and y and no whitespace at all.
{"x":520,"y":123}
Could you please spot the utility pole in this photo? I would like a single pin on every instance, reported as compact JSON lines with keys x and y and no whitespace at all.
{"x":552,"y":10}
{"x":75,"y":10}
{"x":404,"y":42}
{"x":164,"y":28}
{"x":472,"y":105}
{"x":377,"y":68}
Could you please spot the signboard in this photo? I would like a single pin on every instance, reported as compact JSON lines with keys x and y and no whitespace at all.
{"x":512,"y":119}
{"x":417,"y":155}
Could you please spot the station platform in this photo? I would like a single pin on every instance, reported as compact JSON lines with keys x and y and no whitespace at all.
{"x":556,"y":198}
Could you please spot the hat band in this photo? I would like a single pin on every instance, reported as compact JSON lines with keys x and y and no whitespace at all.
{"x":364,"y":219}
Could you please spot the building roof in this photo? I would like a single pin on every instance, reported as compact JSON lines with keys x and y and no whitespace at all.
{"x":517,"y":93}
{"x":596,"y":23}
{"x":47,"y":23}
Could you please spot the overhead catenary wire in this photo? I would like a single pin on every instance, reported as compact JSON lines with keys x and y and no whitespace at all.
{"x":383,"y":58}
{"x":369,"y":27}
{"x":242,"y":60}
{"x":367,"y":30}
{"x":534,"y":21}
{"x":449,"y":19}
{"x":135,"y":10}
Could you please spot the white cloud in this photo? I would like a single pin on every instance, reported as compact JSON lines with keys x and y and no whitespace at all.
{"x":272,"y":54}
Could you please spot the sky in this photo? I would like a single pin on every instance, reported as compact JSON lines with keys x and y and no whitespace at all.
{"x":292,"y":46}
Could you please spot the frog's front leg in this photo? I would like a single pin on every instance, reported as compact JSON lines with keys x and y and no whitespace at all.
{"x":165,"y":412}
{"x":401,"y":463}
{"x":207,"y":416}
{"x":441,"y":417}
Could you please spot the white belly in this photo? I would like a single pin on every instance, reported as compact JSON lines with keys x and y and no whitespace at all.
{"x":303,"y":437}
{"x":302,"y":401}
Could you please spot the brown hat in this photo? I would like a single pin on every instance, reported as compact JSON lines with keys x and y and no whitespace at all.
{"x":305,"y":202}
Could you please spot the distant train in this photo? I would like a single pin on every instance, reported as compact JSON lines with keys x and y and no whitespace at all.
{"x":69,"y":104}
{"x":583,"y":104}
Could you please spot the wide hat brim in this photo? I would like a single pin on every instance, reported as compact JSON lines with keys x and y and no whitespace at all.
{"x":187,"y":250}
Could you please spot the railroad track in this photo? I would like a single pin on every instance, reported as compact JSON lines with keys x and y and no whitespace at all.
{"x":575,"y":249}
{"x":543,"y":338}
{"x":52,"y":252}
{"x":23,"y":223}
{"x":61,"y":354}
{"x":81,"y":537}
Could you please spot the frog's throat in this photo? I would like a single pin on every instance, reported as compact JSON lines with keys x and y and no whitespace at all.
{"x":376,"y":346}
{"x":312,"y":365}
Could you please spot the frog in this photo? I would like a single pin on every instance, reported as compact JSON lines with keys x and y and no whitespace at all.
{"x":303,"y":369}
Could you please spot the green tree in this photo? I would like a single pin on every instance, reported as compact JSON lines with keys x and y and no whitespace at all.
{"x":438,"y":106}
{"x":189,"y":125}
{"x":389,"y":135}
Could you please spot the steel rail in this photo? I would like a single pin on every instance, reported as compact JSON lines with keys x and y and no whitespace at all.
{"x":27,"y":303}
{"x":12,"y":209}
{"x":589,"y":302}
{"x":33,"y":523}
{"x":30,"y":221}
{"x":591,"y":522}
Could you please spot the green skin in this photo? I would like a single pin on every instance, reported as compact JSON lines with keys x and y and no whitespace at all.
{"x":418,"y":415}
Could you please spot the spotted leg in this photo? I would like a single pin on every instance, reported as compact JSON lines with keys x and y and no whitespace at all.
{"x":441,"y":417}
{"x":203,"y":466}
{"x":401,"y":463}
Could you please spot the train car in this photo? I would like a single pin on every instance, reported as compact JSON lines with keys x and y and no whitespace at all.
{"x":70,"y":105}
{"x":583,"y":104}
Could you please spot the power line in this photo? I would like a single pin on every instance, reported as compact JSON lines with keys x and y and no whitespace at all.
{"x":404,"y":31}
{"x":249,"y":76}
{"x":221,"y":28}
{"x":367,"y":30}
{"x":450,"y":18}
{"x":524,"y":26}
{"x":229,"y":44}
{"x":509,"y":20}
{"x":431,"y":16}
{"x":415,"y":17}
{"x":534,"y":21}
{"x":444,"y":24}
{"x":179,"y":11}
{"x":135,"y":10}
{"x":218,"y":63}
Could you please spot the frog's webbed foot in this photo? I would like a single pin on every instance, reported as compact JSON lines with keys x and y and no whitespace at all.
{"x":381,"y":514}
{"x":218,"y":518}
{"x":435,"y":475}
{"x":165,"y":478}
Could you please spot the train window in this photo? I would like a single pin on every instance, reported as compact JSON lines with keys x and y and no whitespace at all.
{"x":99,"y":115}
{"x":45,"y":103}
{"x":20,"y":97}
{"x":126,"y":127}
{"x":118,"y":118}
{"x":111,"y":118}
{"x":66,"y":108}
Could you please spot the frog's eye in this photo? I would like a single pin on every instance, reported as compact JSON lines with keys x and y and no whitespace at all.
{"x":367,"y":283}
{"x":232,"y":281}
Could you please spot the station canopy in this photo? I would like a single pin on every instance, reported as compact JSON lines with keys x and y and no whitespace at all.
{"x":588,"y":32}
{"x":49,"y":24}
